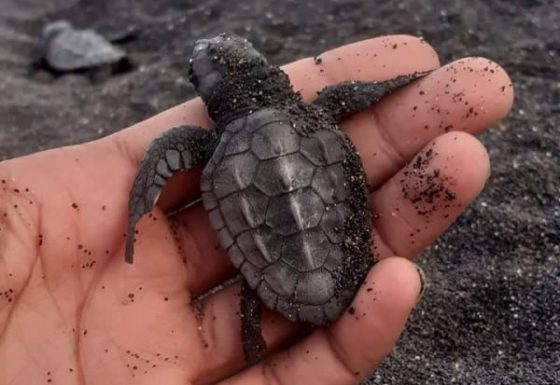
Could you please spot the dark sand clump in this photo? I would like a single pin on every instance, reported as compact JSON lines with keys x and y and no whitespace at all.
{"x":491,"y":311}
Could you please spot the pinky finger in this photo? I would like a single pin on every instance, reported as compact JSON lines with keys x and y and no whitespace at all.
{"x":352,"y":347}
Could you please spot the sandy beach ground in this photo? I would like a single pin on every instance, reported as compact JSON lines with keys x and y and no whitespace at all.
{"x":491,"y":312}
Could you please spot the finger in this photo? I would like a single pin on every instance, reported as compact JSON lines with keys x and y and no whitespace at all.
{"x":467,"y":95}
{"x":355,"y":344}
{"x":371,"y":59}
{"x":421,"y":201}
{"x":380,"y":58}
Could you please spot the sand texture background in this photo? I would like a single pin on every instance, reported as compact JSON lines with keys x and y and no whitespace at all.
{"x":492,"y":309}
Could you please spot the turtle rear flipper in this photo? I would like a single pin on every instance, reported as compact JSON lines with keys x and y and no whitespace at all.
{"x":178,"y":149}
{"x":348,"y":98}
{"x":253,"y":342}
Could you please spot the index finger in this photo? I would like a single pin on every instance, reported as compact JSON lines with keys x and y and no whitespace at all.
{"x":373,"y":59}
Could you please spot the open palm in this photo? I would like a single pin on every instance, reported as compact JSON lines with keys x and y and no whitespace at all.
{"x":71,"y":311}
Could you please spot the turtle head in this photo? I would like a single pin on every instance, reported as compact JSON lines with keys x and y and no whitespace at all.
{"x":218,"y":58}
{"x":56,"y":28}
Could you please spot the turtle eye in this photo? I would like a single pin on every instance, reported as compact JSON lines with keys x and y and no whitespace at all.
{"x":190,"y":74}
{"x":201,"y":45}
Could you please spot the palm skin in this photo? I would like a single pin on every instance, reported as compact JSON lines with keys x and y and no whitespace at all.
{"x":72,"y":311}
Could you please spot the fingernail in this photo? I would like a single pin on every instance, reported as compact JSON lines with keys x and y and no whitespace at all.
{"x":422,"y":283}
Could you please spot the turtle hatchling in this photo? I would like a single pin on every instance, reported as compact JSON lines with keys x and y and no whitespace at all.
{"x":284,"y":188}
{"x":66,"y":49}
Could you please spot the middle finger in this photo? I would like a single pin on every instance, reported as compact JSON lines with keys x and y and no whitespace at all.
{"x":468,"y":95}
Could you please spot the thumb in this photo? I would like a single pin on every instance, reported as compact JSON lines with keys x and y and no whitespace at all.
{"x":353,"y":346}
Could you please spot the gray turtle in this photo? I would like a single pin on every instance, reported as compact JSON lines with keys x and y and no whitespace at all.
{"x":283,"y":185}
{"x":66,"y":49}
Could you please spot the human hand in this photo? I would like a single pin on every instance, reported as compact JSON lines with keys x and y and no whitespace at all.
{"x":72,"y":311}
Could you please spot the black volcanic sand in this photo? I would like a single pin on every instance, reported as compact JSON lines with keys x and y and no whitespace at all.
{"x":491,"y":311}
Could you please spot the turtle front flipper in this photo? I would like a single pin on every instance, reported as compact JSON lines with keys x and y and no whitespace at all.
{"x":347,"y":98}
{"x":178,"y":149}
{"x":253,"y":342}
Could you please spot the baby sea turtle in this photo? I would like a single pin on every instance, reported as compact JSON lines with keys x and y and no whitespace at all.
{"x":283,"y":185}
{"x":66,"y":49}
